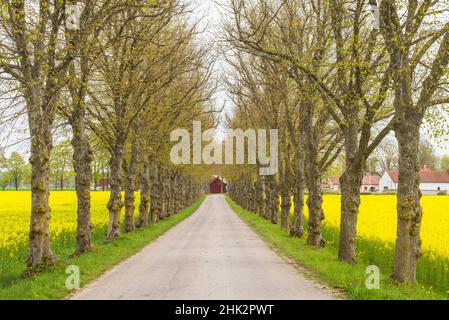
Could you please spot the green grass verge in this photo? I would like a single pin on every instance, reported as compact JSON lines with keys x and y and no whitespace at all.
{"x":326,"y":268}
{"x":50,"y":284}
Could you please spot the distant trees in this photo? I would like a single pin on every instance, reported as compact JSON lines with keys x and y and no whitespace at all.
{"x":16,"y":169}
{"x":61,"y":164}
{"x":387,"y":153}
{"x":427,"y":156}
{"x":444,"y":162}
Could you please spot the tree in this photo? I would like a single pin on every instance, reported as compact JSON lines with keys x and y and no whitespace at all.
{"x":100,"y":164}
{"x":32,"y":54}
{"x":427,"y":156}
{"x":95,"y":17}
{"x":16,"y":169}
{"x":444,"y":162}
{"x":387,"y":153}
{"x":60,"y":163}
{"x":4,"y":177}
{"x":342,"y":70}
{"x":416,"y":34}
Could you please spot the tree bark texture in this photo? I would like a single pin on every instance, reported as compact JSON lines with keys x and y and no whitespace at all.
{"x":130,"y":188}
{"x":82,"y":163}
{"x":409,"y":211}
{"x":144,"y":206}
{"x":115,"y":203}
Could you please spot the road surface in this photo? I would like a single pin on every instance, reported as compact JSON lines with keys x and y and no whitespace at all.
{"x":212,"y":254}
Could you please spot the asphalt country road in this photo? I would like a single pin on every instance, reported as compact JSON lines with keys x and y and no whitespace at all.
{"x":212,"y":254}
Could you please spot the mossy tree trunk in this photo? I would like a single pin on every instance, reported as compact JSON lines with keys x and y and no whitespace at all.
{"x":41,"y":145}
{"x":350,"y":183}
{"x":409,"y":211}
{"x":144,"y":206}
{"x":315,"y":198}
{"x":297,"y":228}
{"x":130,"y":187}
{"x":156,"y":196}
{"x":115,"y":203}
{"x":82,"y":164}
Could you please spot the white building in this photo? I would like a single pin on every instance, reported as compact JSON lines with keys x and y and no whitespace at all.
{"x":431,"y":182}
{"x":370,"y":183}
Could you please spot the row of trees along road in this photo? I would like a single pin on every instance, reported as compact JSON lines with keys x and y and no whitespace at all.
{"x":130,"y":74}
{"x":337,"y":77}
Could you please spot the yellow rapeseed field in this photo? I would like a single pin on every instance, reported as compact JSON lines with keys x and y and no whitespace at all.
{"x":377,"y":220}
{"x":15,"y":215}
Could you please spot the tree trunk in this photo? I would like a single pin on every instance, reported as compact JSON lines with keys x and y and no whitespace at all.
{"x":285,"y":196}
{"x":176,"y":189}
{"x":263,"y":198}
{"x":297,"y":228}
{"x":178,"y":193}
{"x":82,"y":163}
{"x":172,"y":193}
{"x":164,"y":195}
{"x":188,"y":191}
{"x":409,"y":211}
{"x":39,"y":238}
{"x":285,"y":209}
{"x":315,"y":198}
{"x":115,"y":203}
{"x":314,"y":203}
{"x":159,"y":210}
{"x":273,"y":200}
{"x":144,"y":206}
{"x":155,"y":194}
{"x":350,"y":183}
{"x":256,"y":197}
{"x":169,"y":195}
{"x":130,"y":187}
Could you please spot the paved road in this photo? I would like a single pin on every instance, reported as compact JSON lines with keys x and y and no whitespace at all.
{"x":210,"y":255}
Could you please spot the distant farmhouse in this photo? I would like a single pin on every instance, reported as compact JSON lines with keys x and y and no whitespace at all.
{"x":431,"y":182}
{"x":370,"y":183}
{"x":217,"y":185}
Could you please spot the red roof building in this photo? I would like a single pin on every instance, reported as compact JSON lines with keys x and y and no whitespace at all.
{"x":216,"y":185}
{"x":370,"y":183}
{"x":431,"y":181}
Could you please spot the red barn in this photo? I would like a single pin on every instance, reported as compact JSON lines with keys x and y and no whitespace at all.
{"x":217,"y":186}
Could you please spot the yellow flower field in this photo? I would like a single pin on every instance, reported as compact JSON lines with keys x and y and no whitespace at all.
{"x":377,"y":220}
{"x":15,"y":214}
